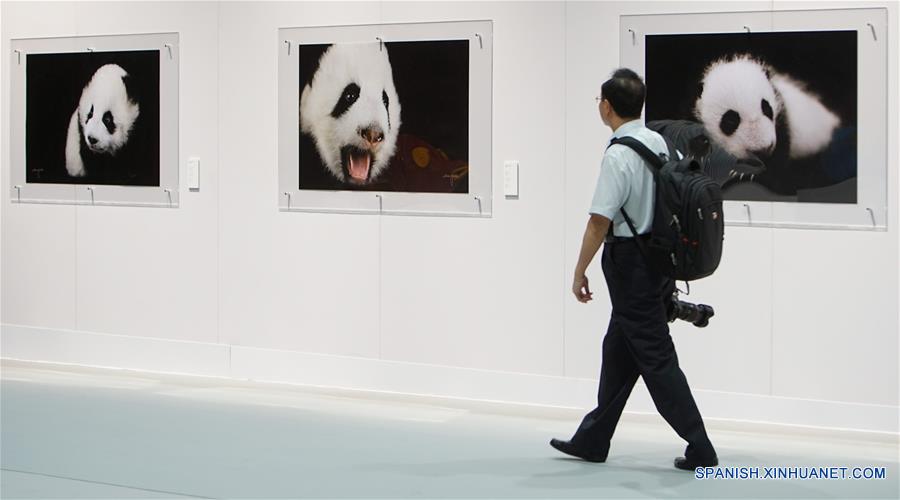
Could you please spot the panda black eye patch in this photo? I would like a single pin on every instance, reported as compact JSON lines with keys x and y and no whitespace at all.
{"x":109,"y":122}
{"x":384,"y":99}
{"x":731,"y":120}
{"x":348,"y":96}
{"x":767,"y":109}
{"x":90,"y":114}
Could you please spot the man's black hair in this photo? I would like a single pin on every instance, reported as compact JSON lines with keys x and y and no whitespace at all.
{"x":625,"y":92}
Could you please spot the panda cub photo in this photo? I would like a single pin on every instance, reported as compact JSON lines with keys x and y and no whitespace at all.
{"x":384,"y":116}
{"x":99,"y":128}
{"x":778,"y":108}
{"x":352,"y":112}
{"x":93,"y":118}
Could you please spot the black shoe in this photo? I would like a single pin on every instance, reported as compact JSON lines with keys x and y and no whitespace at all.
{"x":692,"y":464}
{"x":570,"y":449}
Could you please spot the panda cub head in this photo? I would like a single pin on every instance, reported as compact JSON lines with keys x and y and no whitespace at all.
{"x":351,"y":110}
{"x":106,"y":113}
{"x":739,"y":106}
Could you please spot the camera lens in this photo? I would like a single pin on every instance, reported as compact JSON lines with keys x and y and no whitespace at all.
{"x":697,"y":314}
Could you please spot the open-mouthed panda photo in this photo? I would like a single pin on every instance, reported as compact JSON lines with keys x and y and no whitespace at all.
{"x":779,"y":109}
{"x":384,"y":116}
{"x":93,"y":118}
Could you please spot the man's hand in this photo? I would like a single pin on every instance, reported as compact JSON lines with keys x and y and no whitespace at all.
{"x":581,"y":289}
{"x":594,"y":233}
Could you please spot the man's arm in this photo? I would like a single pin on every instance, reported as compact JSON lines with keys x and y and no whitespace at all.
{"x":594,"y":234}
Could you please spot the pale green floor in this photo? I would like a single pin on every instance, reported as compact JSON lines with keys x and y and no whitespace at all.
{"x":80,"y":433}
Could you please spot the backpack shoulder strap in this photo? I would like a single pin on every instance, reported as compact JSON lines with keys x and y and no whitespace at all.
{"x":643,"y":151}
{"x":674,"y":154}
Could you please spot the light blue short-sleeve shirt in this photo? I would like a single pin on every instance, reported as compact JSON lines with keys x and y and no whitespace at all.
{"x":625,"y":181}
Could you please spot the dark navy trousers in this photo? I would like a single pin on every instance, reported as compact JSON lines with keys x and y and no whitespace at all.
{"x":638,"y":343}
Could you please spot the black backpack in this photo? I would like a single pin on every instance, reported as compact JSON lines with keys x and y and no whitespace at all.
{"x":688,"y":227}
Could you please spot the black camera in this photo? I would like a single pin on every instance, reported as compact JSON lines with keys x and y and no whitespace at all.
{"x":698,"y":314}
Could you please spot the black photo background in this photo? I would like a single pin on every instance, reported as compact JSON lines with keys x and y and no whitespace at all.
{"x":54,"y":83}
{"x":432,"y":83}
{"x":825,"y":61}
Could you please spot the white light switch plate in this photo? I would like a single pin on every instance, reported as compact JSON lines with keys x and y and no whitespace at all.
{"x":193,"y":174}
{"x":511,"y":179}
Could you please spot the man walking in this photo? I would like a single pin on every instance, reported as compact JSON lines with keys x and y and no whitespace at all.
{"x":637,"y":341}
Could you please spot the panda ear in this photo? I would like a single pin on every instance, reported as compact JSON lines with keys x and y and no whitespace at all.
{"x":131,"y":87}
{"x":695,"y":103}
{"x":309,"y":61}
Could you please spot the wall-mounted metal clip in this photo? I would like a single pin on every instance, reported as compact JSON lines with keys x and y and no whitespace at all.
{"x":169,"y":194}
{"x":480,"y":41}
{"x":18,"y":194}
{"x":288,"y":43}
{"x":478,"y":200}
{"x":288,"y":194}
{"x":747,"y":29}
{"x":91,"y":189}
{"x":380,"y":43}
{"x":91,"y":49}
{"x":18,"y":56}
{"x":169,"y":47}
{"x":749,"y":218}
{"x":872,"y":27}
{"x":380,"y":203}
{"x":872,"y":215}
{"x":633,"y":37}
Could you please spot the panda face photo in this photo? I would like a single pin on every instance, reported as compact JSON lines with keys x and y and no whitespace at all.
{"x":384,"y":116}
{"x":742,"y":122}
{"x":106,"y":112}
{"x":779,"y":109}
{"x":352,"y":111}
{"x":93,"y":118}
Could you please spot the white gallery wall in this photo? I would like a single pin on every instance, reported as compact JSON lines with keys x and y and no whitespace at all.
{"x":806,"y":325}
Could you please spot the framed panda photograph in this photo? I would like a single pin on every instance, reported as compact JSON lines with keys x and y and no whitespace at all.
{"x":99,"y":117}
{"x":785,"y":119}
{"x":386,"y":118}
{"x":357,"y":133}
{"x":771,"y":106}
{"x":92,"y":118}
